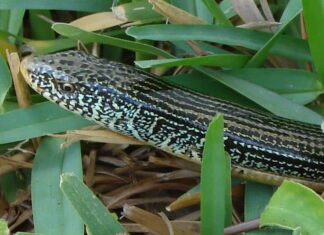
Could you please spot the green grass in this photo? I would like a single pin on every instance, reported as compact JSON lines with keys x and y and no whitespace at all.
{"x":37,"y":120}
{"x":89,"y":208}
{"x":277,"y":72}
{"x":52,"y":160}
{"x":313,"y":16}
{"x":5,"y":81}
{"x":286,"y":46}
{"x":216,"y":205}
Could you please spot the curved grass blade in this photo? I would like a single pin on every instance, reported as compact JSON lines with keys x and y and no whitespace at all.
{"x":15,"y":21}
{"x":5,"y":81}
{"x":266,"y":98}
{"x":23,"y":233}
{"x":203,"y":45}
{"x":37,"y":120}
{"x":189,"y":6}
{"x":222,"y":60}
{"x":80,"y":5}
{"x":292,"y":10}
{"x":39,"y":28}
{"x":50,"y":46}
{"x":227,"y":8}
{"x":281,"y":80}
{"x":4,"y":14}
{"x":299,"y":86}
{"x":49,"y":205}
{"x":59,"y":44}
{"x":216,"y":208}
{"x":286,"y":46}
{"x":217,"y":12}
{"x":286,"y":209}
{"x":136,"y":10}
{"x":314,"y":17}
{"x":93,"y":213}
{"x":203,"y":13}
{"x":79,"y":34}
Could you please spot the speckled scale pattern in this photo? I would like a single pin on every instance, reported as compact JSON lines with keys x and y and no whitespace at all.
{"x":136,"y":103}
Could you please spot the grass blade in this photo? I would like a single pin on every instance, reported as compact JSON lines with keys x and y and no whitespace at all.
{"x":79,"y":34}
{"x":299,"y":86}
{"x":50,"y":46}
{"x":5,"y":81}
{"x":39,"y":28}
{"x":227,"y":8}
{"x":15,"y":21}
{"x":203,"y":12}
{"x":266,"y":98}
{"x":49,"y":205}
{"x":286,"y":46}
{"x":92,"y":212}
{"x":314,"y":16}
{"x":217,"y":12}
{"x":136,"y":10}
{"x":222,"y":60}
{"x":80,"y":5}
{"x":215,"y":181}
{"x":292,"y":10}
{"x":37,"y":120}
{"x":4,"y":15}
{"x":23,"y":233}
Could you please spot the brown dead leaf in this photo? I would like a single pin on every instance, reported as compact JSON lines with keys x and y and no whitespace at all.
{"x":90,"y":170}
{"x":140,"y":201}
{"x":97,"y":21}
{"x":175,"y":162}
{"x":266,"y":10}
{"x":185,"y":200}
{"x":21,"y":88}
{"x":247,"y":10}
{"x":18,"y":161}
{"x":27,"y":214}
{"x":101,"y":136}
{"x":175,"y":14}
{"x":266,"y":178}
{"x":155,"y":223}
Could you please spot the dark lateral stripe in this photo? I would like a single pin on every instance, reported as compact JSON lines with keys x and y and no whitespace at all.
{"x":171,"y":104}
{"x":262,"y":136}
{"x":209,"y":105}
{"x":194,"y":104}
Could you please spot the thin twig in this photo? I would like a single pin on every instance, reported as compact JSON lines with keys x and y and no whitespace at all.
{"x":242,"y":227}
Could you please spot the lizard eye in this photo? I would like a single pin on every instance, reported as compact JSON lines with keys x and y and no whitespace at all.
{"x":68,"y":87}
